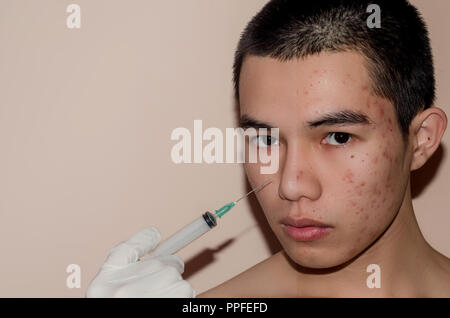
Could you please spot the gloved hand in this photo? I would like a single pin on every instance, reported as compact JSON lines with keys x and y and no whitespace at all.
{"x":124,"y":275}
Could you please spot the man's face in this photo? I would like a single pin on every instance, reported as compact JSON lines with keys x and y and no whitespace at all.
{"x":342,"y":161}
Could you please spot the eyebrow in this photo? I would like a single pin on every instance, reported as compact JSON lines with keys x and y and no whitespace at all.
{"x":246,"y":122}
{"x":343,"y":117}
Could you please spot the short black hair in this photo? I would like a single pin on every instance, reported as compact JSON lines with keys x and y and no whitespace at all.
{"x":398,"y":54}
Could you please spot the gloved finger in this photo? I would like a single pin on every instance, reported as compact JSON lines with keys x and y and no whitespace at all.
{"x":142,"y":285}
{"x":114,"y":274}
{"x":135,"y":247}
{"x":180,"y":289}
{"x":170,"y":260}
{"x":145,"y":267}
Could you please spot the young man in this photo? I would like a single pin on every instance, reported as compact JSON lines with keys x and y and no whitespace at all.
{"x":354,"y":108}
{"x":353,"y":105}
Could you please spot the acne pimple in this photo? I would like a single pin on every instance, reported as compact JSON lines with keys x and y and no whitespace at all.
{"x":386,"y":155}
{"x":365,"y":87}
{"x":375,"y":159}
{"x":367,"y":216}
{"x":352,"y":156}
{"x":348,"y":176}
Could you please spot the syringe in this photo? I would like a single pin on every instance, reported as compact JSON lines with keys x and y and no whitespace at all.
{"x":197,"y":228}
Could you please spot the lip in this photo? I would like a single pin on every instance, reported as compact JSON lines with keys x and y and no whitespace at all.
{"x":304,"y":229}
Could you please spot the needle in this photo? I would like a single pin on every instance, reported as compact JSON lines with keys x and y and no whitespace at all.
{"x":258,"y":187}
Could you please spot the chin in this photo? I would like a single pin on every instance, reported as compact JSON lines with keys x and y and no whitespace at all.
{"x":316,"y":259}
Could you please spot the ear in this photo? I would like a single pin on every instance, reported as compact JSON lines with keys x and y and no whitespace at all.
{"x":426,"y":131}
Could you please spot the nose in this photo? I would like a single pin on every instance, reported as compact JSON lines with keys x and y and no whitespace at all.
{"x":297,"y":175}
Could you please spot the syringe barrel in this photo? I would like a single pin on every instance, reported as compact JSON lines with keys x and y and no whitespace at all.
{"x":186,"y":235}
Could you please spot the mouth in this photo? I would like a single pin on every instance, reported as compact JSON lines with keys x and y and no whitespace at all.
{"x":305,"y":229}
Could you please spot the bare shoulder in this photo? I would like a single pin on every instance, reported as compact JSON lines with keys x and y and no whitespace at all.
{"x":265,"y":279}
{"x":441,"y":286}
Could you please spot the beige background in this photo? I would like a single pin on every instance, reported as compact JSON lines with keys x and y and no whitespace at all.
{"x":85,"y":123}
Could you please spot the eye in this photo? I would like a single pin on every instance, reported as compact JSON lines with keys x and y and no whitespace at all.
{"x":338,"y":138}
{"x":264,"y":141}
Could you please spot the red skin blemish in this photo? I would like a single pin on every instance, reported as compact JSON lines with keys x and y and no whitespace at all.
{"x":386,"y":155}
{"x":375,"y":159}
{"x":352,"y":156}
{"x":348,"y":177}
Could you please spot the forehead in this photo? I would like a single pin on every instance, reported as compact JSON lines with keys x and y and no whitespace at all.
{"x":317,"y":83}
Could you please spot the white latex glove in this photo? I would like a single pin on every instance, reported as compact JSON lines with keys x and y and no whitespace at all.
{"x":124,"y":275}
